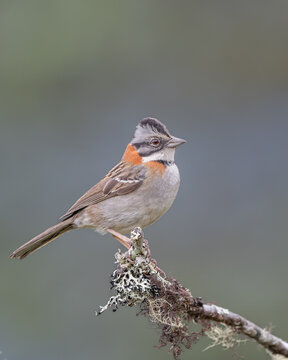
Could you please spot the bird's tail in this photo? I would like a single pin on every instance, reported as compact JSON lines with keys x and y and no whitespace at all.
{"x":42,"y":239}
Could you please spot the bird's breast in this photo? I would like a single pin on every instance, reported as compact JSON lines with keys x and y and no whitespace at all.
{"x":141,"y":207}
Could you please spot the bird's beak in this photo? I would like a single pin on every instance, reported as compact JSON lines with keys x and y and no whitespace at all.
{"x":175,"y":142}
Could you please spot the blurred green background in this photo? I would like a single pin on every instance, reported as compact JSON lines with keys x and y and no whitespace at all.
{"x":75,"y":79}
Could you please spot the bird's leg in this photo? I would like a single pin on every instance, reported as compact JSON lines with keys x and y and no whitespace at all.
{"x":124,"y":240}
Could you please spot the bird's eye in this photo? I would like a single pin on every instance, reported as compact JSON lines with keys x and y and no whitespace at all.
{"x":155,"y":142}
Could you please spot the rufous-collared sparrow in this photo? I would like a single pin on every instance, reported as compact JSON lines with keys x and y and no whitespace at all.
{"x":136,"y":192}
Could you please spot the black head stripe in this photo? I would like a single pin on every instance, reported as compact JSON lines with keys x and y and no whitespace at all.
{"x":155,"y":125}
{"x":146,"y":151}
{"x":145,"y":132}
{"x":144,"y":148}
{"x":137,"y":145}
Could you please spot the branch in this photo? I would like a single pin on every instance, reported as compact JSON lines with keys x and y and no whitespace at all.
{"x":138,"y":281}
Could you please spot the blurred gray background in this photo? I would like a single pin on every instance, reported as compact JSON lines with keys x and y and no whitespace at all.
{"x":75,"y":79}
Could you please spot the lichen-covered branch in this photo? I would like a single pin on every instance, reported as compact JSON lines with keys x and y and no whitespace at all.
{"x":137,"y":280}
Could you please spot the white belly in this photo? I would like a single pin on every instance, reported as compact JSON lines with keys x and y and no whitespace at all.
{"x":141,"y":207}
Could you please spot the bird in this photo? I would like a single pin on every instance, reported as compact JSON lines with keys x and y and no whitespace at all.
{"x":136,"y":192}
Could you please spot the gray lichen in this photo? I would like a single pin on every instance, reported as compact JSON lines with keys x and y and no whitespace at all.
{"x":138,"y":281}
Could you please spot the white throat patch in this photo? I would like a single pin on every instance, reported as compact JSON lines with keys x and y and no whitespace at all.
{"x":166,"y":154}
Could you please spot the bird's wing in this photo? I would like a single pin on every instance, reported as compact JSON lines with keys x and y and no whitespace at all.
{"x":122,"y":179}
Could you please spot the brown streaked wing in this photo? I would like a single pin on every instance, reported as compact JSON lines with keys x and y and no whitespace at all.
{"x":122,"y":179}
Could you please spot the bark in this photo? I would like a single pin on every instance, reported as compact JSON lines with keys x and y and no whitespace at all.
{"x":139,"y":281}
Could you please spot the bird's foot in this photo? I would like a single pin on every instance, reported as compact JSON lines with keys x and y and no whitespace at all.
{"x":124,"y":240}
